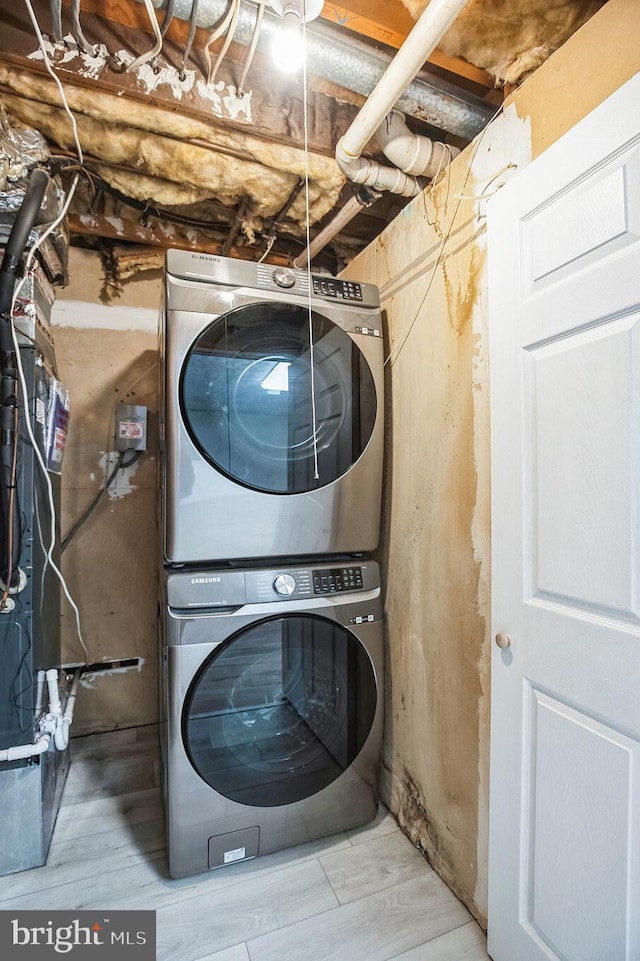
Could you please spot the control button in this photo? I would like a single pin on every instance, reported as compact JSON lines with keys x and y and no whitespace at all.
{"x":284,"y":584}
{"x":284,"y":277}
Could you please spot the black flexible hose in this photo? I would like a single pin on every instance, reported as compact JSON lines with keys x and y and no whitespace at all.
{"x":9,"y":506}
{"x":25,"y":219}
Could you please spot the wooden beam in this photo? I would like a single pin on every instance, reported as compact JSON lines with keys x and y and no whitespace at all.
{"x":389,"y":22}
{"x":385,"y":21}
{"x":155,"y":234}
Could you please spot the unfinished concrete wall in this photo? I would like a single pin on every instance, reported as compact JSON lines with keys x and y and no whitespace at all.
{"x":430,"y":264}
{"x":107,"y":355}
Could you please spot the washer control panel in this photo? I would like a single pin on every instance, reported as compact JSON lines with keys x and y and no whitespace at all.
{"x":337,"y":289}
{"x":284,"y":584}
{"x":336,"y":579}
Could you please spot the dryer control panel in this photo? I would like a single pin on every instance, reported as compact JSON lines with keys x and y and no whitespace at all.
{"x":235,"y":588}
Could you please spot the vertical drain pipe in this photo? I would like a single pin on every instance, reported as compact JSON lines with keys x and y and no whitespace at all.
{"x":419,"y":44}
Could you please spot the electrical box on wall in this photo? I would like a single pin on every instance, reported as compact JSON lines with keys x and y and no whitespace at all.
{"x":131,"y":427}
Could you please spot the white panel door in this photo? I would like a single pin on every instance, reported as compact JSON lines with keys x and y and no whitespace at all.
{"x":564,"y":262}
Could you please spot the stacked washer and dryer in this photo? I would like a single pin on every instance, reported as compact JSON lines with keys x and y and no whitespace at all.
{"x":271,"y":617}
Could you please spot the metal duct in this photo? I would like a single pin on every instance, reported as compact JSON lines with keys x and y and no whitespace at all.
{"x":351,"y":64}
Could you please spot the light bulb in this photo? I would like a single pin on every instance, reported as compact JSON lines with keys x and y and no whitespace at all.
{"x":287,"y":48}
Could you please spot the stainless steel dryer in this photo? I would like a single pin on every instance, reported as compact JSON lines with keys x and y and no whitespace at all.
{"x":271,"y":711}
{"x":273,"y":409}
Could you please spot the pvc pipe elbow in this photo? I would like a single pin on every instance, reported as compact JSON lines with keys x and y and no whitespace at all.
{"x":61,"y":737}
{"x":411,"y":152}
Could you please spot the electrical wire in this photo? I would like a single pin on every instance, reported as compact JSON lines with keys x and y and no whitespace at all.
{"x":395,"y":353}
{"x":76,"y":30}
{"x":157,"y":47}
{"x":252,"y":49}
{"x":141,"y":205}
{"x":217,"y":32}
{"x":227,"y":42}
{"x":52,"y":508}
{"x":120,"y":464}
{"x":192,"y":32}
{"x":56,"y":20}
{"x":314,"y":413}
{"x":27,"y":420}
{"x":168,"y":17}
{"x":54,"y":76}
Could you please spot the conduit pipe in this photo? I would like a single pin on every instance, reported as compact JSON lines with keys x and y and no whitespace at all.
{"x":353,"y":206}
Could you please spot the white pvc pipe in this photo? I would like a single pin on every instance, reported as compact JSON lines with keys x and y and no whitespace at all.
{"x":54,"y":725}
{"x":415,"y":152}
{"x":55,"y":707}
{"x":361,"y":170}
{"x":61,"y":736}
{"x":346,"y":214}
{"x":24,"y":751}
{"x":409,"y":151}
{"x":40,"y":693}
{"x":419,"y":44}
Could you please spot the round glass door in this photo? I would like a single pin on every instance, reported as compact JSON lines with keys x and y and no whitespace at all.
{"x":280,"y":710}
{"x":246,"y":396}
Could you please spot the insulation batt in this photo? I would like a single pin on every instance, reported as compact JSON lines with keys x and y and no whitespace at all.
{"x":510,"y":38}
{"x":167,"y":167}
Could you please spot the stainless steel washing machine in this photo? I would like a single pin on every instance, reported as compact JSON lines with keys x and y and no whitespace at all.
{"x":273,"y":412}
{"x":271,"y":708}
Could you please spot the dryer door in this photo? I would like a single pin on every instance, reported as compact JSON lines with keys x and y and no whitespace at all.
{"x":280,"y":711}
{"x":273,"y":406}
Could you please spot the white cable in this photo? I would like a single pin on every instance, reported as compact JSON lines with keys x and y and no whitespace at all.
{"x":55,"y":77}
{"x":157,"y":47}
{"x":252,"y":49}
{"x":45,"y":474}
{"x":314,"y":415}
{"x":395,"y":353}
{"x":228,"y":40}
{"x":23,"y":386}
{"x":217,"y":31}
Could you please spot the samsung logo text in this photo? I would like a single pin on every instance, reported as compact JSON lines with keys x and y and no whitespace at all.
{"x":206,"y":580}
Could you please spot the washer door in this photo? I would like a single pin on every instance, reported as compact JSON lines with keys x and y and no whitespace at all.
{"x":280,"y":710}
{"x":246,"y":394}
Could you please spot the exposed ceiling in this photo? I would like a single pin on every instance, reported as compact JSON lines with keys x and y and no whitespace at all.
{"x":177,"y":154}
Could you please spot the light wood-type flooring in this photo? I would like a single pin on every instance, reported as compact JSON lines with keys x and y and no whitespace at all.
{"x":363,"y":895}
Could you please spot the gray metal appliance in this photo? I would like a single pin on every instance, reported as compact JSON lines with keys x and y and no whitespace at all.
{"x":272,"y":407}
{"x":30,"y":790}
{"x":271,"y":708}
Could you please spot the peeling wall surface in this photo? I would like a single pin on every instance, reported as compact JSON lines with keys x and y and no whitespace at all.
{"x":430,"y":264}
{"x":105,"y":355}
